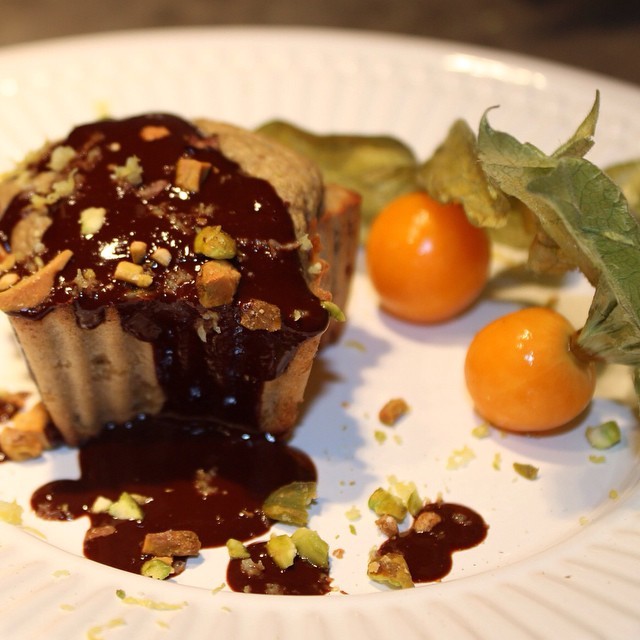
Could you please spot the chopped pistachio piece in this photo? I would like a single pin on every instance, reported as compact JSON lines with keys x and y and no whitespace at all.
{"x":481,"y":431}
{"x":101,"y":505}
{"x":282,"y":550}
{"x":390,"y":569}
{"x":305,"y":242}
{"x":125,"y":508}
{"x":91,"y":220}
{"x":60,"y":157}
{"x":353,"y":513}
{"x":527,"y":471}
{"x":404,"y":490}
{"x":333,"y":310}
{"x":10,"y":512}
{"x":604,"y":436}
{"x":156,"y":569}
{"x":384,"y":503}
{"x":290,"y":503}
{"x":237,"y":550}
{"x":380,"y":436}
{"x":213,"y":242}
{"x":311,"y":547}
{"x":460,"y":458}
{"x":130,"y":171}
{"x":414,"y":503}
{"x":148,"y":603}
{"x":60,"y":189}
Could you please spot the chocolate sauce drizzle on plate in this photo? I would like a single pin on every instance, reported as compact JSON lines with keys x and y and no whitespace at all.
{"x":194,"y":476}
{"x":428,"y":554}
{"x":301,"y":579}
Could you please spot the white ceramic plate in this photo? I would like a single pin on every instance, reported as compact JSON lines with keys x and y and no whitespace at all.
{"x":562,"y":558}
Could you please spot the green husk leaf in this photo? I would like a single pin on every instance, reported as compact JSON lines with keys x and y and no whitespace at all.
{"x":627,"y":176}
{"x":453,"y":174}
{"x":379,"y":168}
{"x":585,"y":222}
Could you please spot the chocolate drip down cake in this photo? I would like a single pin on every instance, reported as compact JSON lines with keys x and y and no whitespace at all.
{"x":152,"y":265}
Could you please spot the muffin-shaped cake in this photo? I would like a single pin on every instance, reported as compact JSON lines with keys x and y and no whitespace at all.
{"x":152,"y":264}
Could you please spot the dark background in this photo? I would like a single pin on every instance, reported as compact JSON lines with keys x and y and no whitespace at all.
{"x":597,"y":35}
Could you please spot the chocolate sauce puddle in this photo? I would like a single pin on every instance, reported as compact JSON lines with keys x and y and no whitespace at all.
{"x":198,"y":476}
{"x":301,"y":579}
{"x":428,"y":554}
{"x":195,"y":476}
